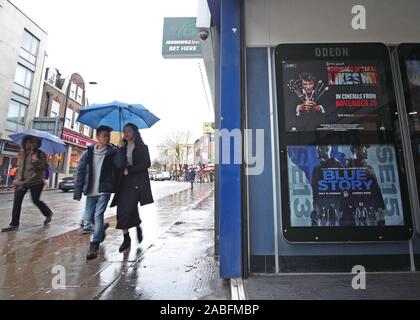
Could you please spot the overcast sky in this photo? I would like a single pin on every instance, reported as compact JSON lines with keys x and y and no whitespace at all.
{"x":118,"y":45}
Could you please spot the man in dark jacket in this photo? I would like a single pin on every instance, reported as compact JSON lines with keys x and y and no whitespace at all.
{"x":96,"y":180}
{"x":347,"y":209}
{"x":332,"y":215}
{"x":191,"y":178}
{"x":326,"y":162}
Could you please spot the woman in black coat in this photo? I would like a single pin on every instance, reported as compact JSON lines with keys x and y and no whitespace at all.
{"x":133,"y":186}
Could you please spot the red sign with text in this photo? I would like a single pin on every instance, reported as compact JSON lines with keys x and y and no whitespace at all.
{"x":76,"y":139}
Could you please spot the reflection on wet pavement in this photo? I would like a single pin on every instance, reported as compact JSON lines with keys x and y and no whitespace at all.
{"x":178,"y":246}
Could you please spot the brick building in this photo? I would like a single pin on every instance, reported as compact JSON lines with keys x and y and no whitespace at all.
{"x":63,"y":98}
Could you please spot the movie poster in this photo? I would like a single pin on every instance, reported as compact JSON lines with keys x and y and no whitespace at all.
{"x":344,"y":186}
{"x":337,"y":96}
{"x":413,"y":75}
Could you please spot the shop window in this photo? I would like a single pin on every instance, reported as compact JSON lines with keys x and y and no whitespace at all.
{"x":76,"y":153}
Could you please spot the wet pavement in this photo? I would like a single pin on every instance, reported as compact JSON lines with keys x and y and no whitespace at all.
{"x":333,"y":286}
{"x":174,"y":261}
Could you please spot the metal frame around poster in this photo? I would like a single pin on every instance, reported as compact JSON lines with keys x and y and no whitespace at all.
{"x":355,"y":51}
{"x":406,"y":52}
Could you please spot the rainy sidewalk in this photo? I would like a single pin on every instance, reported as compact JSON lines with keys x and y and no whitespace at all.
{"x":174,"y":261}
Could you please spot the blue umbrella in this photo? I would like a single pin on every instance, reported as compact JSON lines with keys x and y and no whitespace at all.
{"x":50,"y":143}
{"x":116,"y":115}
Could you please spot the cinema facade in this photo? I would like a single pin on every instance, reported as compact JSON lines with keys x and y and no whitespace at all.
{"x":336,"y":88}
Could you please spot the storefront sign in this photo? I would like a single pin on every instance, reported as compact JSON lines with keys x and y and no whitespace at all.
{"x":180,"y":39}
{"x":8,"y":149}
{"x":208,"y":127}
{"x":76,"y":139}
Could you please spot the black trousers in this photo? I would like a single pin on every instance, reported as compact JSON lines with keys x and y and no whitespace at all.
{"x":36,"y":191}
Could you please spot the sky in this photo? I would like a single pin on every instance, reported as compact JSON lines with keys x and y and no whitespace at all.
{"x":118,"y":45}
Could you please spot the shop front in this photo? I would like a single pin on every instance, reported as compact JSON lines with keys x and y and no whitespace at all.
{"x":338,"y":110}
{"x":8,"y":160}
{"x":76,"y":146}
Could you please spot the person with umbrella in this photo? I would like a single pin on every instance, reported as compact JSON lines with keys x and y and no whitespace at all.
{"x":30,"y":175}
{"x":96,"y":179}
{"x":132,"y":159}
{"x":134,"y":184}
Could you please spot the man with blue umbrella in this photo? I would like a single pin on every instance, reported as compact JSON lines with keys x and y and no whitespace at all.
{"x":96,"y":179}
{"x":30,"y":176}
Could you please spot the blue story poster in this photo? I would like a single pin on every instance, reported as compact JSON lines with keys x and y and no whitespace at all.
{"x":344,"y":186}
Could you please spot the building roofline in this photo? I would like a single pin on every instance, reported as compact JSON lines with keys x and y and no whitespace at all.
{"x":28,"y":17}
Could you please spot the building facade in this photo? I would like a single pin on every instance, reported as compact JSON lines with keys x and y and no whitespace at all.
{"x":204,"y":149}
{"x":22,"y":55}
{"x":63,"y":98}
{"x":265,"y":51}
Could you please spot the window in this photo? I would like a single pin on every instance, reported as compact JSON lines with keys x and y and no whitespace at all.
{"x":86,"y":131}
{"x":69,"y":118}
{"x":79,"y":97}
{"x":76,"y":124}
{"x":73,"y":89}
{"x":16,"y":116}
{"x":23,"y":81}
{"x":55,"y":109}
{"x":52,"y":76}
{"x":29,"y":49}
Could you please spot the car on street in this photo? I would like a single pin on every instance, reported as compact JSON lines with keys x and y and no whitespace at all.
{"x":152,"y":174}
{"x":166,"y":176}
{"x":67,"y":184}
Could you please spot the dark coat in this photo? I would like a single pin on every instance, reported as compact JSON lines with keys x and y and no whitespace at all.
{"x":108,"y":178}
{"x":141,"y":162}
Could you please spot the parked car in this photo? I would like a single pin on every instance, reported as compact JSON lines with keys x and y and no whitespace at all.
{"x":166,"y":176}
{"x":159,"y":177}
{"x":67,"y":184}
{"x":152,"y":174}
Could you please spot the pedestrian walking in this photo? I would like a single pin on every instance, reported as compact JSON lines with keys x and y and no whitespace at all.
{"x":191,"y":178}
{"x":96,"y":179}
{"x":30,"y":175}
{"x":133,"y":160}
{"x":332,"y":215}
